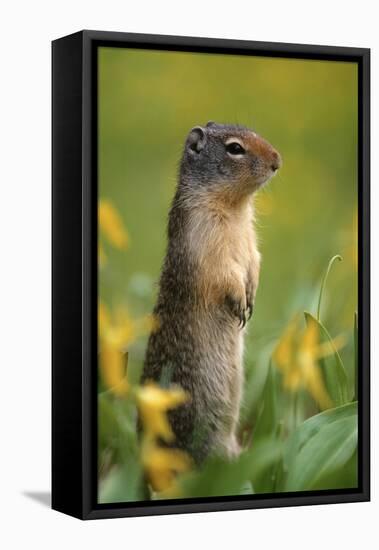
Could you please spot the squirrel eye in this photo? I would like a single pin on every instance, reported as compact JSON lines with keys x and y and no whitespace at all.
{"x":235,"y":148}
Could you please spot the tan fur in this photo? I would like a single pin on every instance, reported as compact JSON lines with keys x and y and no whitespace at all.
{"x":223,"y":240}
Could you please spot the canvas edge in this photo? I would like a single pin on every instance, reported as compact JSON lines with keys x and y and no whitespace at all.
{"x":83,"y":505}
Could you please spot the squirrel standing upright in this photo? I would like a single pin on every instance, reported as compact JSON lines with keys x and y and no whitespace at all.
{"x":208,"y":284}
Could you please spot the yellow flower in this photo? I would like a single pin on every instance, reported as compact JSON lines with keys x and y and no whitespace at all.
{"x":162,"y":465}
{"x":113,"y":368}
{"x":114,"y":337}
{"x":111,"y":225}
{"x":297,"y":355}
{"x":153,"y":403}
{"x":116,"y":332}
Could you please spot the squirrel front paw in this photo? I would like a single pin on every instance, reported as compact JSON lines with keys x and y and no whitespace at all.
{"x":249,"y":302}
{"x":239,"y":308}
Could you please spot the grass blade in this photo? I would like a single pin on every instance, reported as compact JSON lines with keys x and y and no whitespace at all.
{"x":334,"y":372}
{"x":323,"y":283}
{"x":320,"y":446}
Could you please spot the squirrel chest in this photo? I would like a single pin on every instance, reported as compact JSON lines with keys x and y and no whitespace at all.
{"x":223,"y":245}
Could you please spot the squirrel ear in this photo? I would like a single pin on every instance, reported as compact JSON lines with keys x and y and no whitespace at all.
{"x":196,"y":139}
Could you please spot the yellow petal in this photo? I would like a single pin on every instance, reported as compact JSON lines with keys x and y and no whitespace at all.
{"x":111,"y":225}
{"x":113,"y":368}
{"x":329,"y":347}
{"x":156,"y":424}
{"x":116,"y":333}
{"x":153,"y":403}
{"x":314,"y":383}
{"x":310,"y":337}
{"x":103,"y":318}
{"x":152,"y":396}
{"x":296,"y":356}
{"x":123,"y":334}
{"x":292,"y":378}
{"x":163,"y":465}
{"x":283,"y":353}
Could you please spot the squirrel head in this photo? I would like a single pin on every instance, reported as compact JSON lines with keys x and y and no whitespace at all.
{"x":227,"y":158}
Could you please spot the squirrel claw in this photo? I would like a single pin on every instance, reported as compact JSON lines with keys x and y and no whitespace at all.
{"x":239,"y":310}
{"x":242,"y":319}
{"x":249,"y":310}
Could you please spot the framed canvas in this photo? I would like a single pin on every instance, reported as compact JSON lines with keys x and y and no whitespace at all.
{"x":210,"y":275}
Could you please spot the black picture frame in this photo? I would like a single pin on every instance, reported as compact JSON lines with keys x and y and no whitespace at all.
{"x":74,"y":273}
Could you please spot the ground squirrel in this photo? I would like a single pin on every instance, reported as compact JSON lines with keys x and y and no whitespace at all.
{"x":208,"y":284}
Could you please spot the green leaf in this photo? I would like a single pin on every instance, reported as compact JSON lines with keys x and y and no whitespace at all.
{"x":267,"y":432}
{"x":117,"y":429}
{"x":220,"y":477}
{"x":312,"y":426}
{"x":123,"y":484}
{"x":117,"y":435}
{"x":344,"y":478}
{"x":321,"y":446}
{"x":247,"y":488}
{"x":117,"y":422}
{"x":254,"y":386}
{"x":324,"y":279}
{"x":333,"y":370}
{"x":108,"y":427}
{"x":266,"y":465}
{"x":267,"y":421}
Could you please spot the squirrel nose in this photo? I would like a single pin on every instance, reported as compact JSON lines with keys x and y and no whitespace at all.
{"x":276,"y":161}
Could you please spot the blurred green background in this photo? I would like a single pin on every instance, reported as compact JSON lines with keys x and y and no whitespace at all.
{"x":148,"y":102}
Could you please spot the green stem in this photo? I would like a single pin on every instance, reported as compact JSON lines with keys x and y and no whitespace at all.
{"x":336,"y":257}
